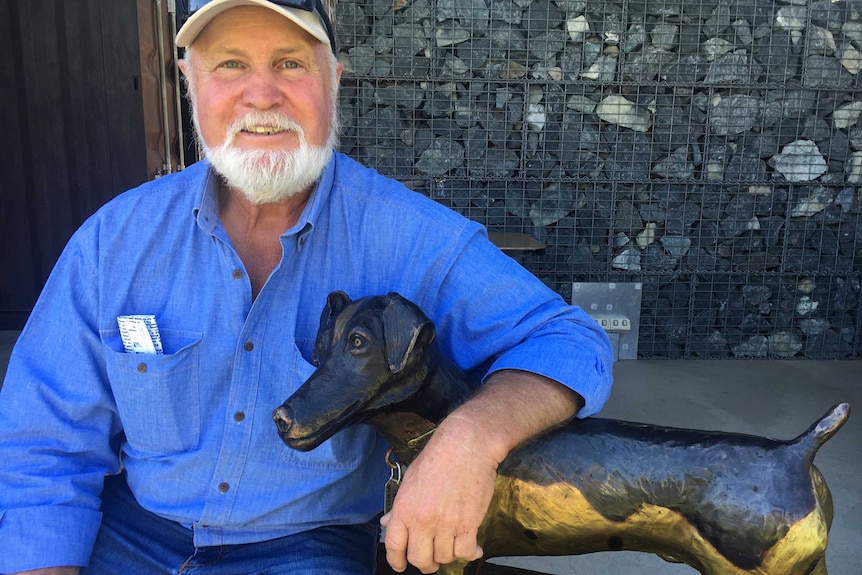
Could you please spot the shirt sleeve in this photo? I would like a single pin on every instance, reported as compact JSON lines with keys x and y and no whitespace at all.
{"x":496,"y":315}
{"x":56,"y":423}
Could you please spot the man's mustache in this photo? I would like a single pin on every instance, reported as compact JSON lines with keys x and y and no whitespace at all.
{"x":264,"y":122}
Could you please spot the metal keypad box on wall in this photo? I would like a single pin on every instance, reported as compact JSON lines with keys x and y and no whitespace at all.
{"x":616,"y":307}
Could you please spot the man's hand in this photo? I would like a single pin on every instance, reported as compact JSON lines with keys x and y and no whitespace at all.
{"x":447,"y":490}
{"x":442,"y":500}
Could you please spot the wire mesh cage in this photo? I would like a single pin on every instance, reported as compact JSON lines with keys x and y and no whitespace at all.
{"x":711,"y":150}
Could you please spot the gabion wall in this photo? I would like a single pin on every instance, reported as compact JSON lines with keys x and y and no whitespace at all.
{"x":710,"y":149}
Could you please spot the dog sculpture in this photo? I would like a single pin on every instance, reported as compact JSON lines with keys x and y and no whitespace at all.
{"x":724,"y":503}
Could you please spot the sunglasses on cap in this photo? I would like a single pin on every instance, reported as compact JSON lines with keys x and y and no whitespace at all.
{"x":313,"y":6}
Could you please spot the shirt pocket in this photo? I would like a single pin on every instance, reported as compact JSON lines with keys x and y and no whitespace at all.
{"x":346,"y":450}
{"x":157,"y":396}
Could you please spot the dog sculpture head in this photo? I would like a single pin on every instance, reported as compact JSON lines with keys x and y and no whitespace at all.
{"x":370,"y":355}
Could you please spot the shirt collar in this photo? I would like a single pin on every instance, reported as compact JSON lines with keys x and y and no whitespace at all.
{"x":317,"y":201}
{"x":207,"y":212}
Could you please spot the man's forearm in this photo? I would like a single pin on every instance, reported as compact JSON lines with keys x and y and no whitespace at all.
{"x":514,"y":406}
{"x":448,"y":488}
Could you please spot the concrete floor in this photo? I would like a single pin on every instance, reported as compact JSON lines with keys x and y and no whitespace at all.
{"x":778,"y":399}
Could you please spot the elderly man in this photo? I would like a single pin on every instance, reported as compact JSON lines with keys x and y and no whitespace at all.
{"x":116,"y":461}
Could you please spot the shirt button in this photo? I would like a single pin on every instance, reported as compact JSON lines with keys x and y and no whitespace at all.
{"x":142,"y":368}
{"x":248,"y":345}
{"x":223,"y":487}
{"x":237,"y":274}
{"x":239,"y":416}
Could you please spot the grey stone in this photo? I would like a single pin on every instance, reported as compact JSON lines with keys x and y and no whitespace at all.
{"x":546,"y":45}
{"x":663,"y":35}
{"x":495,"y":163}
{"x":505,"y":10}
{"x":654,"y":257}
{"x":676,"y":246}
{"x":783,"y":343}
{"x":756,"y":294}
{"x":542,"y":16}
{"x":757,"y":346}
{"x":629,"y":260}
{"x":734,"y":68}
{"x":745,"y":170}
{"x":825,"y":72}
{"x":828,"y":345}
{"x":449,"y":33}
{"x":623,"y":112}
{"x":552,"y":207}
{"x":799,"y":161}
{"x":442,"y":156}
{"x":472,"y":14}
{"x":351,"y":25}
{"x":677,"y":165}
{"x":734,"y":115}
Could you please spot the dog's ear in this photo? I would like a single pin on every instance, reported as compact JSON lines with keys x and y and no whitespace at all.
{"x":406,"y":330}
{"x":335,"y":302}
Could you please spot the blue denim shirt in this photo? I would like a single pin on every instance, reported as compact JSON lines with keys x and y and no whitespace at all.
{"x":193,"y":427}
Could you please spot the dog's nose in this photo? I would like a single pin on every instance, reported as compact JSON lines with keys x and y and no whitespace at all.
{"x":283,"y":419}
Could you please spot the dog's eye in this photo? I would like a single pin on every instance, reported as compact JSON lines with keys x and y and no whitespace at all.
{"x":357,"y":342}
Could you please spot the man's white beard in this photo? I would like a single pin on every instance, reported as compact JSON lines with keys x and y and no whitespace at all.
{"x":268,"y":176}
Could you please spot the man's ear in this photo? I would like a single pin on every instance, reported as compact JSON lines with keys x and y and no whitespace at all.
{"x":406,"y":331}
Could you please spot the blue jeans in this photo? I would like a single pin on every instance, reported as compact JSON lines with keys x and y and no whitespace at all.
{"x":133,"y":541}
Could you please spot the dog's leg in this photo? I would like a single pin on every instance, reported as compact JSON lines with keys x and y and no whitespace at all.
{"x":820,"y":566}
{"x":460,"y":568}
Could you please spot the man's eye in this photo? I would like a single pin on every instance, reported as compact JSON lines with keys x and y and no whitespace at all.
{"x":232,"y":64}
{"x":290,"y":64}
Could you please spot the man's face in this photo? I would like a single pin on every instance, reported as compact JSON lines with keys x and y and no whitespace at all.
{"x":263,"y":93}
{"x":247,"y":59}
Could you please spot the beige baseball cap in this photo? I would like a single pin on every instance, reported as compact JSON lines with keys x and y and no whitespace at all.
{"x":315,"y":23}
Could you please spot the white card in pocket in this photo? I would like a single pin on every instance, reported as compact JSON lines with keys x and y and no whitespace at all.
{"x":140,"y":334}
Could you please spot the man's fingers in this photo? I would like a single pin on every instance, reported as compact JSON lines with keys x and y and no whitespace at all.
{"x":420,"y":553}
{"x":444,"y":549}
{"x":460,"y":547}
{"x":424,"y":553}
{"x":467,"y":548}
{"x":395,"y":541}
{"x":403,"y":547}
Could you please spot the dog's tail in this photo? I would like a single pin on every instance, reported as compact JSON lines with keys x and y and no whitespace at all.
{"x":822,"y":430}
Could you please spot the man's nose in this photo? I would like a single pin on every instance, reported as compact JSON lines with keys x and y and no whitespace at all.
{"x":263,"y":90}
